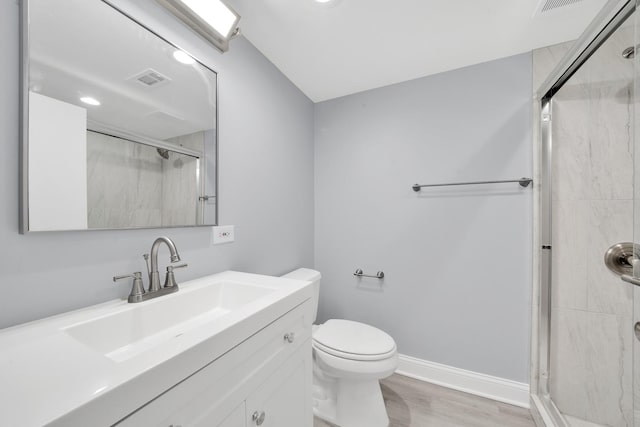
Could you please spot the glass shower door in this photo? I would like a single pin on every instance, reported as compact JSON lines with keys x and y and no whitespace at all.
{"x":635,"y":131}
{"x":591,"y":358}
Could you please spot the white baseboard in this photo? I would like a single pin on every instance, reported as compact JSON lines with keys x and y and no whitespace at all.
{"x":495,"y":388}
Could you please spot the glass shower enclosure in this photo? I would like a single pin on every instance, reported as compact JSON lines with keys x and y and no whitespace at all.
{"x":588,"y":200}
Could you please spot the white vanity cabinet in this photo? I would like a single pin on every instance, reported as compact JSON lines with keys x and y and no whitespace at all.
{"x":226,"y":346}
{"x":265,"y":380}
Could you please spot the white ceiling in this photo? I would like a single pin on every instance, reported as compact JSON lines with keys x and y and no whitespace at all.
{"x":354,"y":45}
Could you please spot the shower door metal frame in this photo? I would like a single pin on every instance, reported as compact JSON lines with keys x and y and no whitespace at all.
{"x":606,"y":22}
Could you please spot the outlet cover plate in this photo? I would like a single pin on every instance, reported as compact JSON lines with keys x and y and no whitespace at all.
{"x":223,"y":234}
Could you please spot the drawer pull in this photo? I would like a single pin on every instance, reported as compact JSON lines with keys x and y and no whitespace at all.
{"x":258,"y":417}
{"x":289,"y":337}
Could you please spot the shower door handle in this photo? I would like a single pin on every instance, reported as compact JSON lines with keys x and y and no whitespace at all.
{"x":636,"y":330}
{"x":631,"y":279}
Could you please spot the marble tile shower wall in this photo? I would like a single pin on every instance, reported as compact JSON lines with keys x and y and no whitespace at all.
{"x":591,"y":337}
{"x":123,"y":183}
{"x":179,"y":188}
{"x":131,"y":185}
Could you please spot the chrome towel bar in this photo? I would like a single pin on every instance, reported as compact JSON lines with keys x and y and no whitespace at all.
{"x":524,"y":182}
{"x":359,"y":273}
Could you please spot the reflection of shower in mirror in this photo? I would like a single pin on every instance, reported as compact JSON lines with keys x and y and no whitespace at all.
{"x":164,"y":153}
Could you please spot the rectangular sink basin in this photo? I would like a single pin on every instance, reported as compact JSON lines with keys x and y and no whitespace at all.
{"x":142,"y":326}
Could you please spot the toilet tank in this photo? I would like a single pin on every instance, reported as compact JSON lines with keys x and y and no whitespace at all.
{"x":311,"y":276}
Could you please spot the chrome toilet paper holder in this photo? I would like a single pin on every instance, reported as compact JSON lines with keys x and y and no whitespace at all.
{"x":359,"y":273}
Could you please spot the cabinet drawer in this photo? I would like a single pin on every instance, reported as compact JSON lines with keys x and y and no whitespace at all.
{"x":284,"y":399}
{"x":208,"y":396}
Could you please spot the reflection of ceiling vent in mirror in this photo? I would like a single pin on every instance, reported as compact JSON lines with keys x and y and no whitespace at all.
{"x":549,"y":5}
{"x":150,"y":78}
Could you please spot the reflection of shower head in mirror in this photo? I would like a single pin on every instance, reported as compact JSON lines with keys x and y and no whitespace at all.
{"x":164,"y":153}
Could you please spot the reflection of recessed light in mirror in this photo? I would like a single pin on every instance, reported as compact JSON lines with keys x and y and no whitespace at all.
{"x":89,"y":100}
{"x":183,"y":57}
{"x":327,"y":3}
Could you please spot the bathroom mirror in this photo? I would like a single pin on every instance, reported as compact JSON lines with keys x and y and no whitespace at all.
{"x":119,"y":126}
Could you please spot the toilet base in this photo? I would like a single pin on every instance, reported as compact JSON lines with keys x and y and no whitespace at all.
{"x":349,"y":403}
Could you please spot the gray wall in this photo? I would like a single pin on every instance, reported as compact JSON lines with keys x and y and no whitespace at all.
{"x":457,"y":260}
{"x":266,"y":187}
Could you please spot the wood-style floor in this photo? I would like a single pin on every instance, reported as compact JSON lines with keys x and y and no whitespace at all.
{"x":413,"y":403}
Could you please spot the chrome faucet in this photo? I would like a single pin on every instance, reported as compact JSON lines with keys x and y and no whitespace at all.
{"x":138,"y":293}
{"x":154,"y":275}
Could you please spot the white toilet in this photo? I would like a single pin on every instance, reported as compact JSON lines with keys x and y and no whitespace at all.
{"x":349,"y":360}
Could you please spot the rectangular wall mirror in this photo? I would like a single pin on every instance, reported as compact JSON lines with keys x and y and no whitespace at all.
{"x":119,"y":126}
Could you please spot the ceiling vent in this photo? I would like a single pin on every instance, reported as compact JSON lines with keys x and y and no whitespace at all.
{"x":150,"y":78}
{"x":550,"y":5}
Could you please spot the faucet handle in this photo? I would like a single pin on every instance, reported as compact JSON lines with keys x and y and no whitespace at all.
{"x":170,"y":279}
{"x":136,"y":275}
{"x":137,"y":290}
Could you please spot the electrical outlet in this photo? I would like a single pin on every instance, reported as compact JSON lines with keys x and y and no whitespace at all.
{"x":223,"y":234}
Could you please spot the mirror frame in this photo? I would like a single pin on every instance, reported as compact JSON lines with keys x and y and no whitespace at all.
{"x":23,"y":161}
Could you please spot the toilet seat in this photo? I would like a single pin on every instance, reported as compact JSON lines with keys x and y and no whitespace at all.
{"x":358,"y":370}
{"x":351,"y":356}
{"x":351,"y":340}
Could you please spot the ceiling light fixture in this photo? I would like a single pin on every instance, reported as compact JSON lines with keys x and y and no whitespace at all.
{"x":183,"y":57}
{"x":212,"y":19}
{"x":89,"y":100}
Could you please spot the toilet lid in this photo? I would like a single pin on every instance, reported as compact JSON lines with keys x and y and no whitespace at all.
{"x":353,"y":340}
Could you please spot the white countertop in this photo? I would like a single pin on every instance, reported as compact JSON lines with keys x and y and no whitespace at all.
{"x":49,"y":378}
